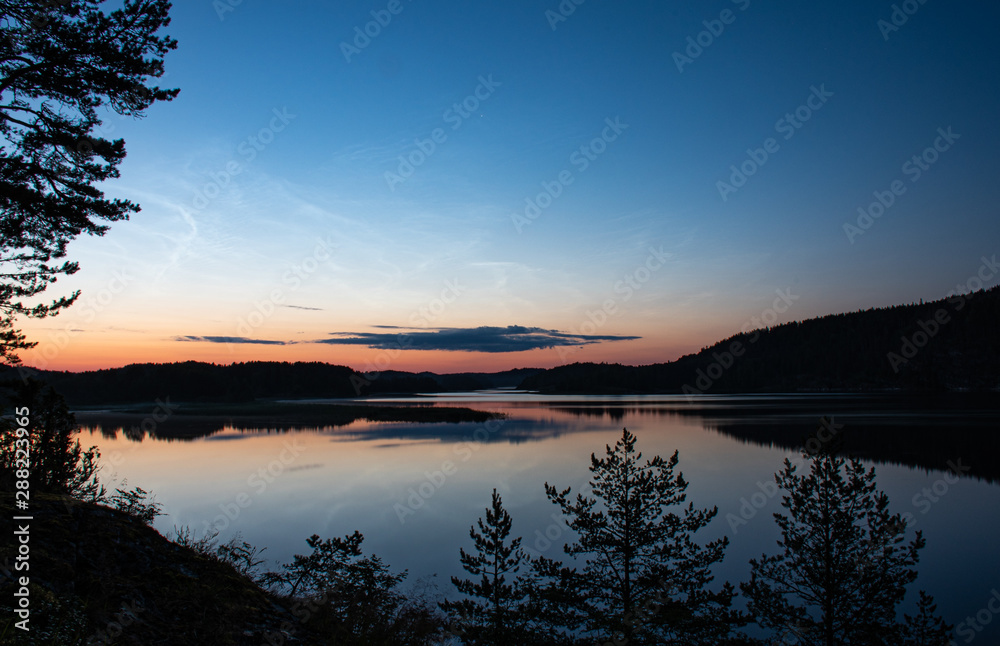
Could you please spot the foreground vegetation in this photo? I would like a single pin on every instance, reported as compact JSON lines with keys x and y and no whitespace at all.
{"x":639,"y":569}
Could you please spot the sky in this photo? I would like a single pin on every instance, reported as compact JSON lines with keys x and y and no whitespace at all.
{"x":409,"y":185}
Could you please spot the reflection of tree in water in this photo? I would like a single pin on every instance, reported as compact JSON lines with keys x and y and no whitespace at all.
{"x":927,"y":446}
{"x":615,"y":413}
{"x":843,"y":562}
{"x":928,"y":433}
{"x":134,"y":433}
{"x":886,"y":430}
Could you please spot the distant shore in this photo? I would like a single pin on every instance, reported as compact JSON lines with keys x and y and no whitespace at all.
{"x":187,"y":421}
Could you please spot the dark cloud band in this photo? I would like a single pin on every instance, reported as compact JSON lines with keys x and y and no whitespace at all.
{"x":230,"y":339}
{"x":513,"y":338}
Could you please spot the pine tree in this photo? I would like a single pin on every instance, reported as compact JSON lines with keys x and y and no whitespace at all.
{"x":645,"y":579}
{"x":358,"y":596}
{"x":496,"y":608}
{"x":62,"y":66}
{"x":58,"y":464}
{"x":844,"y":566}
{"x":927,"y":628}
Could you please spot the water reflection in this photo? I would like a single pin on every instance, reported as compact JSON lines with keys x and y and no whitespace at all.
{"x":923,"y":433}
{"x":333,"y":479}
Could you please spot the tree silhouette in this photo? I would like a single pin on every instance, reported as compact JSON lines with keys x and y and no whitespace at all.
{"x":60,"y":64}
{"x":645,"y":579}
{"x":843,"y":566}
{"x":58,"y":464}
{"x":359,"y":596}
{"x":926,"y":628}
{"x":496,"y":610}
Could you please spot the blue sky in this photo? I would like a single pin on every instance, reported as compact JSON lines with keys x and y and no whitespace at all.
{"x":270,"y":211}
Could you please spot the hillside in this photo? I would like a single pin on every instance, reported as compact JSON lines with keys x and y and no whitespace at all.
{"x":98,"y":575}
{"x":945,"y":345}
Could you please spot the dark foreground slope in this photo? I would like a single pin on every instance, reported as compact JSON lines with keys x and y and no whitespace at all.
{"x":98,"y":575}
{"x":951,"y":344}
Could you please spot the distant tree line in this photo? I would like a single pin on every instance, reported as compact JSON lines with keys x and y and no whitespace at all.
{"x":950,"y":344}
{"x":940,"y":346}
{"x":195,"y":381}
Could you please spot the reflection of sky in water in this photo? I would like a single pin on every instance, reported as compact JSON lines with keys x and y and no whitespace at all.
{"x":333,"y":481}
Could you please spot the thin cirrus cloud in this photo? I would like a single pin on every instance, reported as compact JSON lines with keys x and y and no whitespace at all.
{"x":513,"y":338}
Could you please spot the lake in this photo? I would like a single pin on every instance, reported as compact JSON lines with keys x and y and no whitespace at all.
{"x":414,"y":490}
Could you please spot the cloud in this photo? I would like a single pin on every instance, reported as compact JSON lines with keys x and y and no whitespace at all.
{"x":300,"y":307}
{"x":230,"y":339}
{"x":513,"y":338}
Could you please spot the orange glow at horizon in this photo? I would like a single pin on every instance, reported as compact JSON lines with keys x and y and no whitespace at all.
{"x":115,"y":351}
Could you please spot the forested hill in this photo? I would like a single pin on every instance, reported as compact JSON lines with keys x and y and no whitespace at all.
{"x":951,"y":344}
{"x":193,"y":381}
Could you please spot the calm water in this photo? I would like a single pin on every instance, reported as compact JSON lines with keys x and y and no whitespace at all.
{"x":413,"y":490}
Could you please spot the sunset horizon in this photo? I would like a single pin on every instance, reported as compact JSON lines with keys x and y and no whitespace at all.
{"x":301,"y":199}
